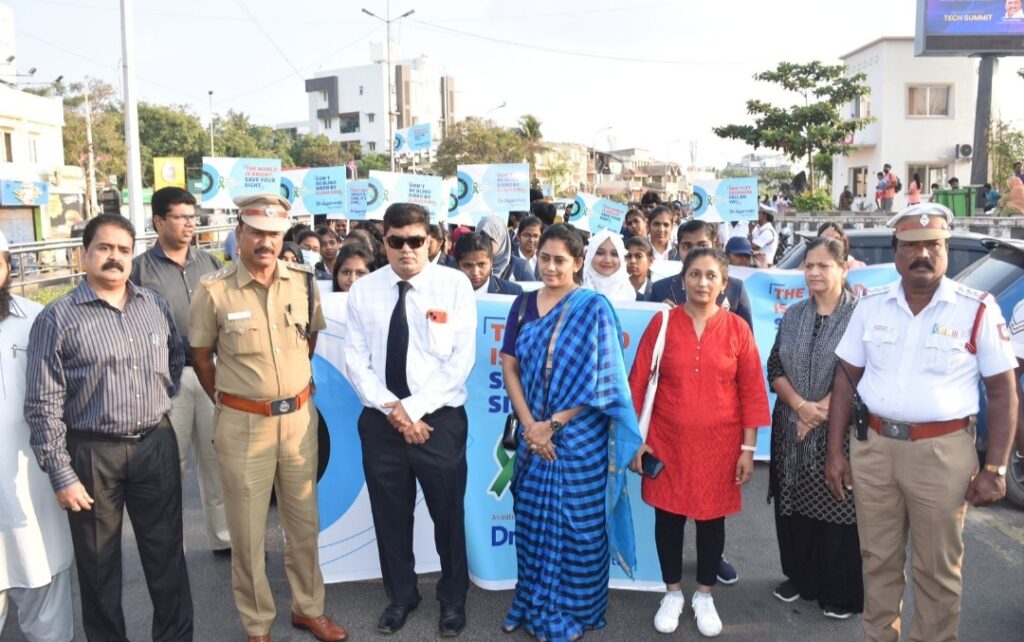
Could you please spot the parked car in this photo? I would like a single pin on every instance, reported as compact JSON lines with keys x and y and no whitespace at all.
{"x":874,"y":246}
{"x":1001,"y":274}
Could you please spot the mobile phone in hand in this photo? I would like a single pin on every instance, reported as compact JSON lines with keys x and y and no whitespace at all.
{"x":651,"y":465}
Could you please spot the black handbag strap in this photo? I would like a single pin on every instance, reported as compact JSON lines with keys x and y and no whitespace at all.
{"x":853,"y":386}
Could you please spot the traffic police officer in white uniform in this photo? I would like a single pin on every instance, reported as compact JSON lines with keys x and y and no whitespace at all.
{"x":918,"y":348}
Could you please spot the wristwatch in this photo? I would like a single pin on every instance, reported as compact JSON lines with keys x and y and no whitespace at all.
{"x":998,"y":470}
{"x":556,"y":425}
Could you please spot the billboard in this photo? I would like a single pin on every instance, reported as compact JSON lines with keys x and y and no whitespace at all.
{"x":968,"y":27}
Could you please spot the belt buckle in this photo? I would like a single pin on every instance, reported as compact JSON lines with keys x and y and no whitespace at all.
{"x":282,"y":406}
{"x":896,"y":430}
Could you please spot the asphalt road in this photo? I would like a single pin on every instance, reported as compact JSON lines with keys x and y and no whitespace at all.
{"x":994,"y":587}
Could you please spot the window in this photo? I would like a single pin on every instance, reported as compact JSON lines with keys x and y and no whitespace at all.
{"x":7,"y":149}
{"x":930,"y":174}
{"x":360,"y":90}
{"x":323,"y":95}
{"x":372,"y":146}
{"x":929,"y":100}
{"x":33,"y":148}
{"x":348,"y":123}
{"x":370,"y":117}
{"x":859,"y":181}
{"x":862,"y":107}
{"x":328,"y":123}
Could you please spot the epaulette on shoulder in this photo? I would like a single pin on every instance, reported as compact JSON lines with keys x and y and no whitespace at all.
{"x":301,"y":267}
{"x":879,"y":289}
{"x":219,"y":274}
{"x":971,"y":293}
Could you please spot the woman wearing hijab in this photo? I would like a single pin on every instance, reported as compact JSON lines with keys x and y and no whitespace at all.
{"x":506,"y":265}
{"x":604,"y":269}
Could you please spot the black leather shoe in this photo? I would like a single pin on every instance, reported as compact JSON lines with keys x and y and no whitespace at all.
{"x":453,"y":620}
{"x":393,"y":618}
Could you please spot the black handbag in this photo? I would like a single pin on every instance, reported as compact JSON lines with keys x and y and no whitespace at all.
{"x":510,"y":435}
{"x":859,"y":408}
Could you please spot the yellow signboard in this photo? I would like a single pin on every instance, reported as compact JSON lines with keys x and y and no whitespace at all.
{"x":168,"y":172}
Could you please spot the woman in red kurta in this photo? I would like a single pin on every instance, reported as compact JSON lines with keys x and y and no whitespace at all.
{"x":711,"y":398}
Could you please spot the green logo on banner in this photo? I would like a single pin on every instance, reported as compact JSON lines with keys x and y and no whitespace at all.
{"x":506,"y":466}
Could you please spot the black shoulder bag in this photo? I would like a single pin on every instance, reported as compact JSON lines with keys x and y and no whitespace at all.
{"x":860,"y":409}
{"x":510,"y":435}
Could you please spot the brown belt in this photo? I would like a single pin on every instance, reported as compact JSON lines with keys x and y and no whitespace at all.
{"x":270,"y":408}
{"x":912,"y":432}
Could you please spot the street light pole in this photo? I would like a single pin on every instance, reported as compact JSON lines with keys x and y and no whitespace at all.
{"x":594,"y":148}
{"x":94,"y":206}
{"x":131,"y":118}
{"x":387,"y":54}
{"x":494,"y":109}
{"x":211,"y":124}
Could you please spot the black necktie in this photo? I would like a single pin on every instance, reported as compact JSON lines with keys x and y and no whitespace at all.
{"x":398,"y":346}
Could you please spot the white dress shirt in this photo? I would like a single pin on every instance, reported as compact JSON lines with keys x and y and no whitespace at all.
{"x":532,"y":262}
{"x":917,"y":368}
{"x":1017,"y":330}
{"x":441,"y":352}
{"x":766,"y":238}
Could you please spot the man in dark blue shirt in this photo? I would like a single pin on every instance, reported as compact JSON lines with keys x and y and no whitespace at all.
{"x":691,"y":235}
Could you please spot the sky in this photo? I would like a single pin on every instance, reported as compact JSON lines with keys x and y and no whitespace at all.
{"x":660,"y":74}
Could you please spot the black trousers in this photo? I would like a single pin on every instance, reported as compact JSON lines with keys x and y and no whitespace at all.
{"x":822,"y":560}
{"x":668,"y":537}
{"x":392,"y":469}
{"x":144,"y":477}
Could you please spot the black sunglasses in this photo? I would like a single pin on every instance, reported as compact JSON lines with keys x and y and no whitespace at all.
{"x":414,"y":242}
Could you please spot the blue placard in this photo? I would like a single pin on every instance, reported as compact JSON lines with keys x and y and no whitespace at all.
{"x":418,"y":138}
{"x":729,"y":199}
{"x":24,"y":193}
{"x":355,"y":199}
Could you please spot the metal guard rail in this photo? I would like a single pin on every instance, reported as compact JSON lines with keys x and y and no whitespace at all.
{"x":44,"y":263}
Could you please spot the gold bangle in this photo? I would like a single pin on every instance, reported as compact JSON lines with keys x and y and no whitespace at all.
{"x":800,"y":405}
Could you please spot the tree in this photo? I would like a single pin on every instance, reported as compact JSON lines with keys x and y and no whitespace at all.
{"x":477,"y":141}
{"x":315,"y":151}
{"x":372,"y":161}
{"x":801,"y":130}
{"x":529,"y":132}
{"x":1005,"y":147}
{"x":822,"y":164}
{"x":169,"y":131}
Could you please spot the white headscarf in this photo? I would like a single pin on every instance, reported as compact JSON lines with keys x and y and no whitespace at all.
{"x":617,"y":286}
{"x":492,"y":227}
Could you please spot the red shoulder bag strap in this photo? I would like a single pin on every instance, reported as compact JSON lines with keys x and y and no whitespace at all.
{"x":972,"y":343}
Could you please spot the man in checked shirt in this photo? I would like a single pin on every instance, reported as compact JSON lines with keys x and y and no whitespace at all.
{"x":103,"y":363}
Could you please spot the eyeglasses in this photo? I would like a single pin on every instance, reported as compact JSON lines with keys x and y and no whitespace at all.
{"x":397,"y":242}
{"x":182,"y":218}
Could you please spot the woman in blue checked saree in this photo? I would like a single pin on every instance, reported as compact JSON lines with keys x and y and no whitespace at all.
{"x":579,"y":435}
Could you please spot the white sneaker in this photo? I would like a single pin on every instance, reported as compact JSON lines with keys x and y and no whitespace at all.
{"x":708,"y":622}
{"x":667,"y":618}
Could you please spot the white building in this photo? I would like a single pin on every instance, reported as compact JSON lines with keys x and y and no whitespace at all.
{"x":923,"y":110}
{"x":350,"y":105}
{"x":40,"y":197}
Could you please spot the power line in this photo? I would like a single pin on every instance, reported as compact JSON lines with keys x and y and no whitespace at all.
{"x":113,"y":67}
{"x":191,"y":16}
{"x":270,"y":39}
{"x":313,"y":64}
{"x":567,"y":52}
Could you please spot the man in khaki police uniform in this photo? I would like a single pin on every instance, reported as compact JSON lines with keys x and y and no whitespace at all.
{"x":261,"y":316}
{"x":918,"y":348}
